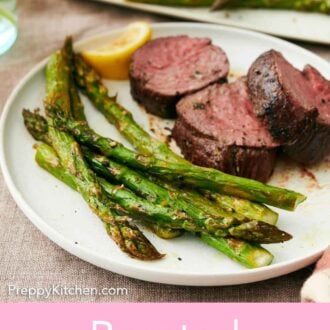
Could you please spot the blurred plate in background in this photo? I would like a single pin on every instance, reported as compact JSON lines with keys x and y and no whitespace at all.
{"x":310,"y":27}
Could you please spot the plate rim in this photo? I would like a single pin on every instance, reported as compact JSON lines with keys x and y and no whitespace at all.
{"x":135,"y":271}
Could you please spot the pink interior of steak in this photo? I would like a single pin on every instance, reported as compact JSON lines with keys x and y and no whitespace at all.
{"x":295,"y":85}
{"x":178,"y":65}
{"x":225,"y":113}
{"x":321,"y":90}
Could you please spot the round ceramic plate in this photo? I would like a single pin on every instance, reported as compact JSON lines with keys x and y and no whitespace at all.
{"x":63,"y":216}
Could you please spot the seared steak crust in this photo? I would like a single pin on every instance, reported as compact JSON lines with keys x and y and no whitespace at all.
{"x":216,"y":127}
{"x":165,"y":69}
{"x":249,"y":162}
{"x":281,"y":97}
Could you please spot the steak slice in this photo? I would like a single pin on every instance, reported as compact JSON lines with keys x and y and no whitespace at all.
{"x":217,"y":127}
{"x":314,"y":144}
{"x":165,"y":69}
{"x":282,"y":97}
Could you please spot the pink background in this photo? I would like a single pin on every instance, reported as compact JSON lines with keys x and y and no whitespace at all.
{"x":165,"y":316}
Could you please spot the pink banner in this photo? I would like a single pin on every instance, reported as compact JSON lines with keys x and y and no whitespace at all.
{"x":164,"y":316}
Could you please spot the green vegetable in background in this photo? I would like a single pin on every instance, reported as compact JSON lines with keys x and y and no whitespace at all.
{"x":320,"y":6}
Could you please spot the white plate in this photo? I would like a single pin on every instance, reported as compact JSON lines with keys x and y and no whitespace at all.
{"x":63,"y":216}
{"x":290,"y":24}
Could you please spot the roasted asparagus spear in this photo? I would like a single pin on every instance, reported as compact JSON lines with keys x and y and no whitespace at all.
{"x":246,"y":253}
{"x":37,"y":126}
{"x":77,"y":111}
{"x":127,"y":236}
{"x":189,"y":174}
{"x":174,"y":218}
{"x":120,"y":228}
{"x":157,"y":193}
{"x":250,"y":255}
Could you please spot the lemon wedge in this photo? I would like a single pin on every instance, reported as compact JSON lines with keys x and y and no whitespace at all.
{"x":111,"y":58}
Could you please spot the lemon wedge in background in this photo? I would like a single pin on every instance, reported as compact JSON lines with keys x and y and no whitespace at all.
{"x":111,"y":58}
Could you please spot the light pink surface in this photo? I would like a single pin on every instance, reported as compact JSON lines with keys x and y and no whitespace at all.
{"x":165,"y":316}
{"x":324,"y":262}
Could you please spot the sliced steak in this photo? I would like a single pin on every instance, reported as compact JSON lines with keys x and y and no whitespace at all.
{"x":282,"y":97}
{"x":165,"y":69}
{"x":217,"y":127}
{"x":314,"y":144}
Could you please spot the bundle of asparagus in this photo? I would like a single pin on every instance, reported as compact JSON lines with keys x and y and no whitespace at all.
{"x":222,"y":210}
{"x":321,"y":6}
